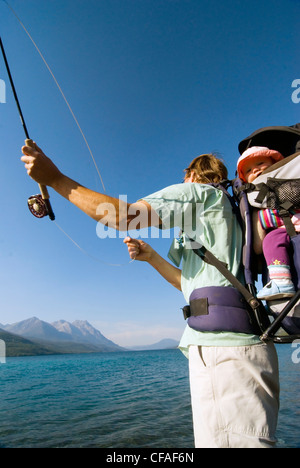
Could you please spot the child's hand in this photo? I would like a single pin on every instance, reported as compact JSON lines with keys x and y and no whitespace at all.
{"x":138,"y":249}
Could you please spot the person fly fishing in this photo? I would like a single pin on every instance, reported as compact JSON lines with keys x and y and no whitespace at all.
{"x":234,"y":378}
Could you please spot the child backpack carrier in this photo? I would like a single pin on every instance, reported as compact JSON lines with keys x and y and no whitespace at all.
{"x":278,"y":187}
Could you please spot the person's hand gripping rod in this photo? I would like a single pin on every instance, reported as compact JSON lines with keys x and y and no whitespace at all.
{"x":40,"y":205}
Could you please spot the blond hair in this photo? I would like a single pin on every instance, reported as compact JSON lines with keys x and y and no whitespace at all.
{"x":207,"y":168}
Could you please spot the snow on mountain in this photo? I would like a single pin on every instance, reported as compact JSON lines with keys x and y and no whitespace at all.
{"x":79,"y":331}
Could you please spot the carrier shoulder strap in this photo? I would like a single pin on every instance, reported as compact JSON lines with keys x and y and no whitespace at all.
{"x":224,"y":185}
{"x":211,"y":259}
{"x":256,"y":308}
{"x":284,"y":213}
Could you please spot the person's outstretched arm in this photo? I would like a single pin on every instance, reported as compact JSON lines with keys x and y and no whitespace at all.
{"x":141,"y":251}
{"x":111,"y":211}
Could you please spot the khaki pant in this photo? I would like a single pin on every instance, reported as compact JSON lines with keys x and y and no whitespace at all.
{"x":235,"y":396}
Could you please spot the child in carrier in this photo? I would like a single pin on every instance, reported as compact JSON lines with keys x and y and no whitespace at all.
{"x":270,"y":236}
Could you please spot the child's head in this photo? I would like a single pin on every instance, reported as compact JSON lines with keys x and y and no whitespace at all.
{"x":206,"y":169}
{"x":255,"y":160}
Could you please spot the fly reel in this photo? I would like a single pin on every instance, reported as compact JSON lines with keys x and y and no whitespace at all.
{"x":37,"y":206}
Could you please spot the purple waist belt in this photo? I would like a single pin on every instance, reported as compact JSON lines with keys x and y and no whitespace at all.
{"x":218,"y":308}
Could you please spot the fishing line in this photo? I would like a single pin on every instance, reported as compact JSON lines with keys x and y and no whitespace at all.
{"x":87,"y":253}
{"x":59,"y":88}
{"x":76,"y":121}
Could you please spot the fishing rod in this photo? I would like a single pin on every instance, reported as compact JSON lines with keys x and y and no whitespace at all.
{"x":39,"y":205}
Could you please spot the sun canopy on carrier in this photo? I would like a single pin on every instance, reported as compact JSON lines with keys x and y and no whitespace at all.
{"x":286,"y":140}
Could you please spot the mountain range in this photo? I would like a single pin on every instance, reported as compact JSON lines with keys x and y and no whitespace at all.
{"x":57,"y":337}
{"x":35,"y":337}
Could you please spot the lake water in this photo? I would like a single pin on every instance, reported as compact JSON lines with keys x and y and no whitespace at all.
{"x":116,"y":400}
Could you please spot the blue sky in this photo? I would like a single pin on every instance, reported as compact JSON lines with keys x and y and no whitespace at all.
{"x":153,"y":83}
